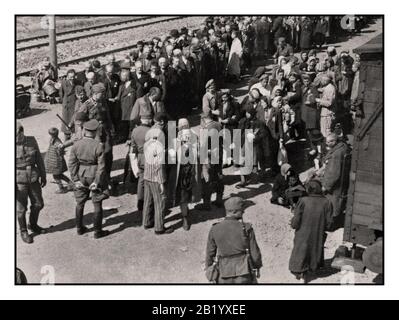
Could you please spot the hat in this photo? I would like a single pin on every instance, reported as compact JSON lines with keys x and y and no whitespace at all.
{"x":331,"y":49}
{"x":53,"y":132}
{"x":259,"y":71}
{"x":174,"y":33}
{"x":210,"y":83}
{"x":183,"y":124}
{"x":316,"y":136}
{"x":91,"y":125}
{"x":157,"y":38}
{"x":96,"y":64}
{"x":81,"y":116}
{"x":125,"y":65}
{"x":234,"y":204}
{"x":98,"y":88}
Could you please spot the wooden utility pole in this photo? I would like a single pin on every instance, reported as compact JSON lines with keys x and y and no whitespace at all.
{"x":52,"y":43}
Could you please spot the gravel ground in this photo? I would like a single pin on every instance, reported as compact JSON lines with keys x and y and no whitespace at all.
{"x":29,"y":59}
{"x":134,"y":255}
{"x":31,"y":26}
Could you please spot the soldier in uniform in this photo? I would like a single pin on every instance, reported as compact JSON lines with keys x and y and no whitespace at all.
{"x":234,"y":244}
{"x":137,"y":148}
{"x":211,"y":170}
{"x":87,"y":168}
{"x":30,"y":179}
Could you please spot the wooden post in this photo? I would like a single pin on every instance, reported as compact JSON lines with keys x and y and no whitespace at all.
{"x":53,"y":43}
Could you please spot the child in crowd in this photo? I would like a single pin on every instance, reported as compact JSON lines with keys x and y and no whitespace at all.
{"x":55,"y":162}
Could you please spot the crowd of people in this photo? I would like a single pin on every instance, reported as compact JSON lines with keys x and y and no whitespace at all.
{"x":309,"y":101}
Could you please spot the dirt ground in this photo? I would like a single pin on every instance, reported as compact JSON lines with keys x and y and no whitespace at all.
{"x":134,"y":255}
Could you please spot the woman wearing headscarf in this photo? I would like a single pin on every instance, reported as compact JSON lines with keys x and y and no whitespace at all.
{"x":313,"y":216}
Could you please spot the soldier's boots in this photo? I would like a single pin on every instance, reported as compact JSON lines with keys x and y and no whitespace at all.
{"x":37,"y":229}
{"x":82,"y":230}
{"x":33,"y":226}
{"x":26,"y":237}
{"x":101,"y":234}
{"x":186,"y":223}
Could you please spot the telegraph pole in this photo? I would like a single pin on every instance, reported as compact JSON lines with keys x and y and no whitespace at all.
{"x":53,"y":43}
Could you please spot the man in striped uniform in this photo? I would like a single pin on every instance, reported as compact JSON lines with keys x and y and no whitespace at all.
{"x":155,"y":176}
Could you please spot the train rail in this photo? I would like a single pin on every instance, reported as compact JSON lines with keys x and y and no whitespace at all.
{"x":93,"y":27}
{"x":79,"y":34}
{"x":87,"y":57}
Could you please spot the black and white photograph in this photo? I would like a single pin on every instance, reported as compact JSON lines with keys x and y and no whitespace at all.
{"x":199,"y":149}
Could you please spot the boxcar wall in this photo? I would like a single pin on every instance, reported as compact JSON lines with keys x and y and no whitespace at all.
{"x":364,"y":210}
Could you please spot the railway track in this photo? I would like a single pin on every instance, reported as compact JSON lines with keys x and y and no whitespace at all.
{"x":87,"y":57}
{"x":81,"y":34}
{"x":93,"y":27}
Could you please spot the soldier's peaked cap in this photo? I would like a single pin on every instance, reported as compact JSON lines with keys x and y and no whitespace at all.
{"x":234,"y":204}
{"x":91,"y":125}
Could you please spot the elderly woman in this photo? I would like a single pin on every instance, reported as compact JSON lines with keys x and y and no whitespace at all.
{"x":313,"y":216}
{"x":236,"y":51}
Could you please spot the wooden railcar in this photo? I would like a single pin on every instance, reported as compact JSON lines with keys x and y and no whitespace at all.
{"x":365,"y":201}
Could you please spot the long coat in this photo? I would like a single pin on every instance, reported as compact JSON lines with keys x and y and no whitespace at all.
{"x":67,"y":94}
{"x":127,"y":97}
{"x":332,"y":179}
{"x":195,"y":185}
{"x":312,"y":217}
{"x":306,"y":34}
{"x":310,"y":114}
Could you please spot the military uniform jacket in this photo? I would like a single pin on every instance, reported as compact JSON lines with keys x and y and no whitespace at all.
{"x":29,"y":161}
{"x":86,"y":161}
{"x":227,"y":240}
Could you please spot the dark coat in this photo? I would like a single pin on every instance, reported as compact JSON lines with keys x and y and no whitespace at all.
{"x":127,"y":97}
{"x":174,"y":95}
{"x":142,"y":84}
{"x":54,"y":160}
{"x":67,"y":94}
{"x":310,"y":114}
{"x":312,"y":217}
{"x":306,"y":34}
{"x":332,"y":180}
{"x":278,"y":28}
